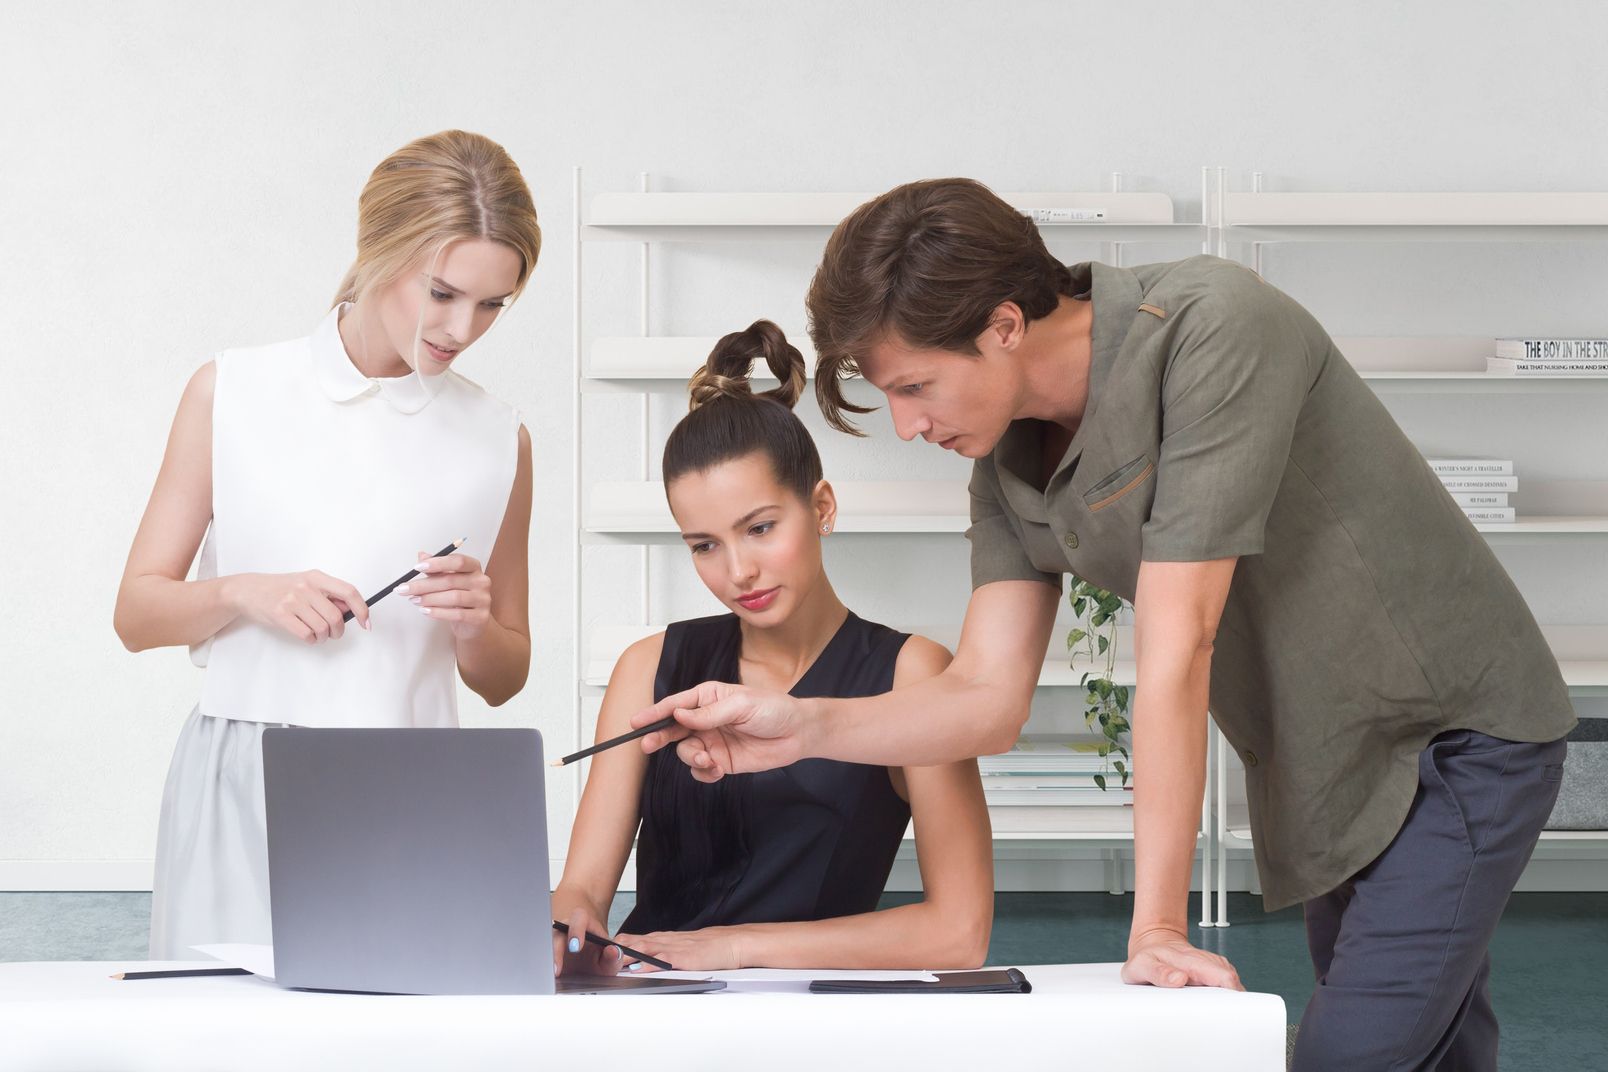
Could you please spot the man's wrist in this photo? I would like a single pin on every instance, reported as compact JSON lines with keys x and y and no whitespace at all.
{"x":1153,"y":933}
{"x":815,"y":727}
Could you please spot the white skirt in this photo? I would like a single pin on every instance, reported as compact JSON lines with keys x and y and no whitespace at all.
{"x":211,"y":880}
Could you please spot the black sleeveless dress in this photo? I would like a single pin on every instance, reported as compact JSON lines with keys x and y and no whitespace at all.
{"x":811,"y":841}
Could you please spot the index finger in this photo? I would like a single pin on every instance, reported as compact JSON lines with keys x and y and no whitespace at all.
{"x":355,"y":603}
{"x":665,"y":708}
{"x":453,"y":563}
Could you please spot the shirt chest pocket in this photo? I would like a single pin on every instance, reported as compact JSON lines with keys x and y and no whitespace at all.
{"x":1132,"y":484}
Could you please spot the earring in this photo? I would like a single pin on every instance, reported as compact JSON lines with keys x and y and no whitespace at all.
{"x":826,"y":528}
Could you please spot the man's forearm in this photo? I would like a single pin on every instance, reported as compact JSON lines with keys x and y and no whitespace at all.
{"x":942,"y":719}
{"x":1169,"y":747}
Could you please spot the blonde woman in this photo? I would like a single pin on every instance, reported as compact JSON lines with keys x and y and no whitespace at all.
{"x":320,"y":469}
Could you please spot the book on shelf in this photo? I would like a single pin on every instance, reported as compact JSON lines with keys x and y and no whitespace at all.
{"x":1501,"y":366}
{"x":1551,"y":350}
{"x":1467,"y":485}
{"x":1465,"y":467}
{"x":1480,"y":499}
{"x":1492,"y":516}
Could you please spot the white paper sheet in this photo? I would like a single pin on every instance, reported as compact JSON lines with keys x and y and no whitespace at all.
{"x":256,"y":959}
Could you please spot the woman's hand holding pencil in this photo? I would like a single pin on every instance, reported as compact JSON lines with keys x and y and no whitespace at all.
{"x":451,"y":587}
{"x":573,"y":955}
{"x":311,"y":605}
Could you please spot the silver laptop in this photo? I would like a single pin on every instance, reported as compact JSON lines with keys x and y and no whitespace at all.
{"x":414,"y":861}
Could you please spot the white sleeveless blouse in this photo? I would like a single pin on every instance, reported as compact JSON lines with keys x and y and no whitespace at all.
{"x":315,"y":466}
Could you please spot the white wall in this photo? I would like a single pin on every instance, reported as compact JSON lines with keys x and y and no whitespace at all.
{"x":182,"y":177}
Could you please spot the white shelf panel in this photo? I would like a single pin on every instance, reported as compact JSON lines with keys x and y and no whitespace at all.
{"x":703,"y":217}
{"x":1238,"y":831}
{"x":606,"y":643}
{"x":1548,"y":525}
{"x":1435,"y":363}
{"x":863,"y":506}
{"x":668,"y":359}
{"x":918,"y":506}
{"x":1404,"y":217}
{"x":1058,"y":835}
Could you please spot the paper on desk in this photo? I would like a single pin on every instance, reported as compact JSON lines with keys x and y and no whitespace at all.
{"x":256,"y":959}
{"x":787,"y":980}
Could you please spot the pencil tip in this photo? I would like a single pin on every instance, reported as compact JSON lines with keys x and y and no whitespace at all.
{"x":460,"y":541}
{"x":556,"y":763}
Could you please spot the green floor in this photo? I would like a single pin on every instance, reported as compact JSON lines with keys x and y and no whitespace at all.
{"x":1548,"y":980}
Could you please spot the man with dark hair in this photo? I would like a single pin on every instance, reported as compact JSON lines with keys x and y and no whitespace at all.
{"x":1188,"y":437}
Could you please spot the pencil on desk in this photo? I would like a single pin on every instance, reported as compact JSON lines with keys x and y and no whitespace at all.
{"x":180,"y":973}
{"x":641,"y":731}
{"x":406,"y":577}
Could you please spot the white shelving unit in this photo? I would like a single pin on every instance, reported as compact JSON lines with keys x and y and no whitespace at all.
{"x":635,"y":512}
{"x":1243,"y":222}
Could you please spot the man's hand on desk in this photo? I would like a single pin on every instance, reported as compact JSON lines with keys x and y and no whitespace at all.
{"x":1165,"y":958}
{"x":729,"y":729}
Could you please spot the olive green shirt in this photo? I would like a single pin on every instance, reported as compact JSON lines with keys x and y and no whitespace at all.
{"x":1366,"y":613}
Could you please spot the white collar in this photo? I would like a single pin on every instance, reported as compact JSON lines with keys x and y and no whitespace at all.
{"x":342,"y":381}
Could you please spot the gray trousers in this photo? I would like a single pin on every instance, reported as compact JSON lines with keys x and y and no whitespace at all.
{"x":1401,"y":948}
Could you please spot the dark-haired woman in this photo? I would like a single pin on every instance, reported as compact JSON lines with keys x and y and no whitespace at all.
{"x":783,"y":868}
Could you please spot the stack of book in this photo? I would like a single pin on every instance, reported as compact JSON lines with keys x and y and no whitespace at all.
{"x":1549,"y":357}
{"x":1047,"y":783}
{"x":1480,"y":486}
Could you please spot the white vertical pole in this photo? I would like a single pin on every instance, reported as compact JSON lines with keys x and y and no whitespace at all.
{"x":647,"y":465}
{"x":575,"y":463}
{"x":1256,"y":247}
{"x":1111,"y":252}
{"x":1221,"y":776}
{"x":1222,"y":230}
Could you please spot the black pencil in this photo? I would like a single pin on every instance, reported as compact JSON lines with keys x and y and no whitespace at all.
{"x":180,"y":973}
{"x":641,"y":731}
{"x":562,"y":928}
{"x":406,"y":577}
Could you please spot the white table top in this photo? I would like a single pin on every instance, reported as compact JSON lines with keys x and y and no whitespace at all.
{"x":71,"y":1015}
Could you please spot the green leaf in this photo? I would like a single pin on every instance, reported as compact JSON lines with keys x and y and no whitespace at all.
{"x":1099,"y":780}
{"x":1075,"y":636}
{"x":1104,"y":643}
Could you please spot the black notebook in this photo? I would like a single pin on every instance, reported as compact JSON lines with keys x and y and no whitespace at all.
{"x":1008,"y":981}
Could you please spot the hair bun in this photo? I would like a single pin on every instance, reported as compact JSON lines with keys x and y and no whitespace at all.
{"x":730,"y":365}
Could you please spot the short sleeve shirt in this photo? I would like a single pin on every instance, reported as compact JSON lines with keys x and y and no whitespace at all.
{"x":1366,"y":613}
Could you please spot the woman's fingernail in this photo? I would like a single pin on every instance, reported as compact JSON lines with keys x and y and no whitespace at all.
{"x":401,"y":589}
{"x":633,"y":967}
{"x":575,"y":945}
{"x":424,"y":610}
{"x":368,"y":625}
{"x":424,"y":567}
{"x":415,"y":599}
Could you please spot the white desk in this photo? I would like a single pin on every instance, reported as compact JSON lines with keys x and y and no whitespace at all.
{"x":72,"y":1016}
